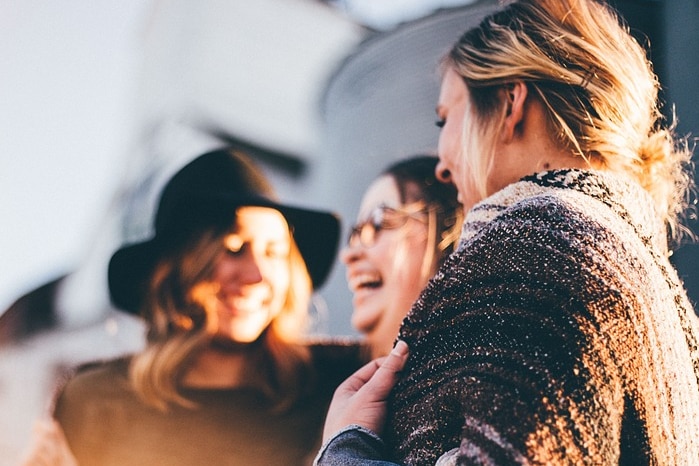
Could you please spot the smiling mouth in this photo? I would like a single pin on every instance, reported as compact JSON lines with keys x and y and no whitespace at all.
{"x":365,"y":281}
{"x":240,"y":306}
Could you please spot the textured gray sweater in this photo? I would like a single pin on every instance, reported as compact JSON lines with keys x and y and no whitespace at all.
{"x":558,"y":333}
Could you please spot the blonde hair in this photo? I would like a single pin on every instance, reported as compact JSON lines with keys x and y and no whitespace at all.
{"x":595,"y":82}
{"x":178,"y":327}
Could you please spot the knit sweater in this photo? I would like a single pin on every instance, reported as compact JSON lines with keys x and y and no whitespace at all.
{"x":107,"y":424}
{"x":557,"y":333}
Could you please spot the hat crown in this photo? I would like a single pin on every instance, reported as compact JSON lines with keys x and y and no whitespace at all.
{"x":203,"y":194}
{"x":219,"y":174}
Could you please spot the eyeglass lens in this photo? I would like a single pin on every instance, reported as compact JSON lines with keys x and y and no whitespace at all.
{"x":380,"y":218}
{"x":366,"y":231}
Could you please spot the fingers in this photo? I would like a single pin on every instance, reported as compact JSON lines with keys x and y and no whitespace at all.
{"x":386,"y":375}
{"x":357,"y":380}
{"x":395,"y":361}
{"x":361,"y":399}
{"x":382,"y":372}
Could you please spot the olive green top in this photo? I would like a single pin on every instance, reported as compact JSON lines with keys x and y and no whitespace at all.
{"x":106,"y":424}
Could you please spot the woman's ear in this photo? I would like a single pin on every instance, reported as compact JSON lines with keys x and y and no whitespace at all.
{"x":515,"y":97}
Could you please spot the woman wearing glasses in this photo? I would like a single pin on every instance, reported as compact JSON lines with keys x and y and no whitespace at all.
{"x":408,"y":224}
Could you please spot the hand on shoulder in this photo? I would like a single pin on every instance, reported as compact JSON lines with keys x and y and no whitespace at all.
{"x":361,"y":399}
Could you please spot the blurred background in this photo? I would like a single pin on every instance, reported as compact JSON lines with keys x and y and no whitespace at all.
{"x":101,"y":101}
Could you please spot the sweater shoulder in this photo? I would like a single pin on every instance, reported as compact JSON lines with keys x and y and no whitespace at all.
{"x":545,"y":220}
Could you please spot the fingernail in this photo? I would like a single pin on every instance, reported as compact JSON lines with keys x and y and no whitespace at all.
{"x":400,"y":349}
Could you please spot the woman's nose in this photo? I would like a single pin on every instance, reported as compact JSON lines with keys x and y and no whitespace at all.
{"x":250,"y":269}
{"x":351,"y":251}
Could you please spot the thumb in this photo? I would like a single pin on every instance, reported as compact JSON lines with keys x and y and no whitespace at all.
{"x":387,"y":374}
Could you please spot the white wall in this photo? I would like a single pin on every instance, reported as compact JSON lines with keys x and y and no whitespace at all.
{"x":67,"y":70}
{"x":67,"y":73}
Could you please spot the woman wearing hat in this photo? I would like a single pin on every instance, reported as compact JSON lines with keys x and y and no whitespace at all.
{"x":226,"y":377}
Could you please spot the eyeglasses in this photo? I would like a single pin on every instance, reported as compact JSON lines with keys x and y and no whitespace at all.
{"x":381,"y":218}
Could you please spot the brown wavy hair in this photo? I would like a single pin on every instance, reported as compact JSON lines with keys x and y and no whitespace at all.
{"x":177,"y":326}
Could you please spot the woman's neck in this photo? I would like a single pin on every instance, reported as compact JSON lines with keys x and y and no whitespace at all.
{"x":220,"y":368}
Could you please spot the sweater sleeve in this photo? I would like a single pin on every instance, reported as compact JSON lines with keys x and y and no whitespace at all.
{"x":353,"y":445}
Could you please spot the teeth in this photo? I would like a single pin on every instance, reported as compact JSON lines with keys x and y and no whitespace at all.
{"x":240,"y":304}
{"x":364,"y":280}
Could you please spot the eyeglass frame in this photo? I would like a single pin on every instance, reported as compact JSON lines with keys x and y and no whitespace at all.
{"x":368,"y":230}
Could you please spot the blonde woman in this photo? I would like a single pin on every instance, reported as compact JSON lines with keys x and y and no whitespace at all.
{"x":227,"y":377}
{"x":558,"y":332}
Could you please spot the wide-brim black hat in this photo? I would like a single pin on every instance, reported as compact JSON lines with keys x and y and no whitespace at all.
{"x":203,"y":193}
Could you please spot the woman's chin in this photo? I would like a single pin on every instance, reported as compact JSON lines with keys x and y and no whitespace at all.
{"x":365,"y":319}
{"x":235,"y":341}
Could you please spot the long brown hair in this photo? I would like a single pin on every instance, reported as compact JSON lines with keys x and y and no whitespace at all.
{"x":177,"y":326}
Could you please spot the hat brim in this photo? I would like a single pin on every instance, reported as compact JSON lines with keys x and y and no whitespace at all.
{"x":129,"y":268}
{"x":317,"y":234}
